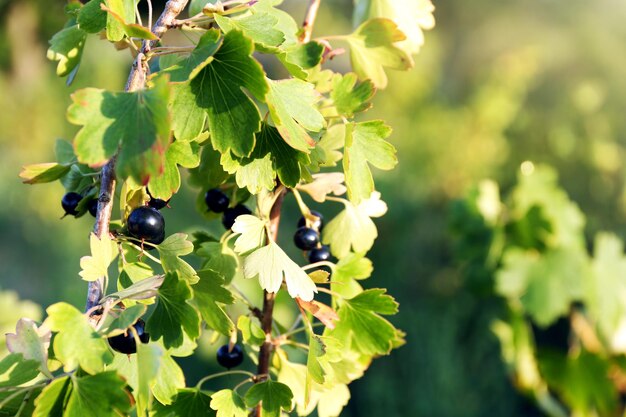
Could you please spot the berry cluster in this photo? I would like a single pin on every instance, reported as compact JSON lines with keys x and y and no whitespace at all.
{"x":217,"y":202}
{"x":307,"y":238}
{"x":70,"y":202}
{"x":125,"y":343}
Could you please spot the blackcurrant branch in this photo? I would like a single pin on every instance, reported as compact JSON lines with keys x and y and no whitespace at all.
{"x":136,"y":81}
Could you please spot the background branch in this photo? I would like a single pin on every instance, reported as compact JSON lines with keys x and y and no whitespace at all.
{"x":136,"y":81}
{"x":309,"y":20}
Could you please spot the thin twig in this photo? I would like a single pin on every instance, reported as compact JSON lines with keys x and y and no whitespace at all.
{"x":225,"y":373}
{"x":309,"y":20}
{"x":136,"y":81}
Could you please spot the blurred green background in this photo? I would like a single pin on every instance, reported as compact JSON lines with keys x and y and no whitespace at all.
{"x":497,"y":83}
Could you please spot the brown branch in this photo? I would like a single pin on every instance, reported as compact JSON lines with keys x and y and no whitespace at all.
{"x":309,"y":20}
{"x":136,"y":81}
{"x":268,"y":301}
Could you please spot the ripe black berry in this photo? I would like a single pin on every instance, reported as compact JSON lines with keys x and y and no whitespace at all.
{"x":306,"y":238}
{"x":319,"y":254}
{"x":156,"y":241}
{"x":70,"y":202}
{"x":146,"y":223}
{"x":92,"y":206}
{"x":157,"y":203}
{"x":231,"y":214}
{"x":230,"y":359}
{"x":125,"y":343}
{"x":216,"y":200}
{"x":318,"y":224}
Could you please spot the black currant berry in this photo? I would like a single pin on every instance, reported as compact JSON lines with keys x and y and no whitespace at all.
{"x":318,"y":224}
{"x":230,"y":359}
{"x":319,"y":254}
{"x":92,"y":206}
{"x":216,"y":200}
{"x":125,"y":343}
{"x":306,"y":238}
{"x":146,"y":223}
{"x":231,"y":214}
{"x":70,"y":202}
{"x":157,"y":203}
{"x":156,"y":241}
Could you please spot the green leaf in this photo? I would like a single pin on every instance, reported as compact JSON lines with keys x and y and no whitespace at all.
{"x":323,"y":353}
{"x":170,"y":251}
{"x":233,"y":117}
{"x":133,"y":272}
{"x":148,"y":366}
{"x":349,"y":269}
{"x":286,"y":161}
{"x":173,"y":313}
{"x":135,"y":125}
{"x":253,"y":174}
{"x":220,"y":258}
{"x":545,"y":284}
{"x":188,"y":119}
{"x":100,"y":395}
{"x":251,"y":231}
{"x":132,"y":30}
{"x":42,"y":173}
{"x":271,"y":265}
{"x":188,"y":402}
{"x":91,"y":17}
{"x":209,"y":173}
{"x":76,"y":343}
{"x":141,"y":290}
{"x":185,"y":154}
{"x":15,"y":370}
{"x":209,"y":295}
{"x":52,"y":401}
{"x":169,"y":380}
{"x":67,"y":47}
{"x":228,"y":403}
{"x":317,"y":349}
{"x":361,"y":326}
{"x":16,"y":402}
{"x":292,"y":106}
{"x":273,"y":397}
{"x":64,"y":151}
{"x":349,"y":95}
{"x":603,"y":290}
{"x":299,"y":57}
{"x":372,"y":49}
{"x":540,"y":188}
{"x":122,"y":11}
{"x":126,"y":318}
{"x":251,"y":330}
{"x":169,"y":377}
{"x":583,"y":382}
{"x":331,"y":402}
{"x":200,"y":57}
{"x":258,"y":26}
{"x":103,"y":252}
{"x":411,"y":16}
{"x":30,"y":341}
{"x":365,"y":143}
{"x":351,"y":228}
